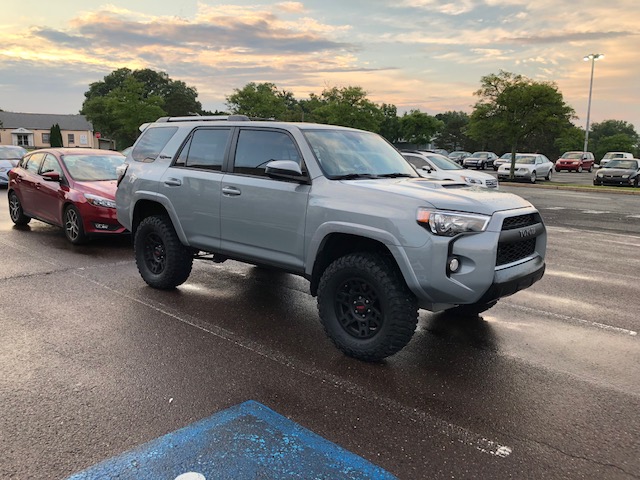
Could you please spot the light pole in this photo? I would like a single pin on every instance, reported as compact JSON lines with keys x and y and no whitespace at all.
{"x":593,"y":57}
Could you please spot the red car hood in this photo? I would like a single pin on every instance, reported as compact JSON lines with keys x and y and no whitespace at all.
{"x":105,"y":188}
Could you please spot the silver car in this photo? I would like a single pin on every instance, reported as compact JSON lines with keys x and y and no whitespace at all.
{"x":528,"y":166}
{"x":10,"y":155}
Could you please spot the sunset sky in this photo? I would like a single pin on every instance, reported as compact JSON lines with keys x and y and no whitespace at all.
{"x":416,"y":54}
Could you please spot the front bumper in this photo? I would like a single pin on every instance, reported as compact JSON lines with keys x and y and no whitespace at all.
{"x":495,"y":263}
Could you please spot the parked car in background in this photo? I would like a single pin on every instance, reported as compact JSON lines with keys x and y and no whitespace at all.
{"x":575,"y":162}
{"x":620,"y":171}
{"x":612,"y":156}
{"x":458,"y":156}
{"x":505,"y":158}
{"x":433,"y":165}
{"x":10,"y":155}
{"x":73,"y":188}
{"x":480,"y":160}
{"x":528,"y":166}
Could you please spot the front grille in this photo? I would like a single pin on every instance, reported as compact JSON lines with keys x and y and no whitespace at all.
{"x":519,"y":221}
{"x":512,"y":252}
{"x":514,"y":248}
{"x":492,"y":183}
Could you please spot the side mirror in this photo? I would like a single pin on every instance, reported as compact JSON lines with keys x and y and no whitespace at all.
{"x":286,"y":170}
{"x":426,"y":169}
{"x":51,"y":176}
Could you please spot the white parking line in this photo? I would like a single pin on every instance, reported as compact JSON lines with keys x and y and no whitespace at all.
{"x":601,"y":326}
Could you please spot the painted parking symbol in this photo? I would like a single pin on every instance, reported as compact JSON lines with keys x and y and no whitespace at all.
{"x":248,"y":441}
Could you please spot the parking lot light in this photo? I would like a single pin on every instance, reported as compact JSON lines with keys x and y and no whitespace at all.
{"x":593,"y":57}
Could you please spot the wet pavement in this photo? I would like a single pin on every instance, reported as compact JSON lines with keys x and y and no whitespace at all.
{"x":93,"y":363}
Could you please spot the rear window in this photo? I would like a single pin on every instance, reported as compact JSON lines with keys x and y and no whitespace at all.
{"x":151,"y":143}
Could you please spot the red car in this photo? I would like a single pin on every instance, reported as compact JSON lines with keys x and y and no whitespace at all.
{"x":575,"y":162}
{"x":73,"y":188}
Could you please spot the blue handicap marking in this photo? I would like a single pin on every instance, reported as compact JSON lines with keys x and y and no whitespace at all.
{"x":247,"y":441}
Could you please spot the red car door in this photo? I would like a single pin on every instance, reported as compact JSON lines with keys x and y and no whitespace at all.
{"x":48,"y":194}
{"x":26,"y":179}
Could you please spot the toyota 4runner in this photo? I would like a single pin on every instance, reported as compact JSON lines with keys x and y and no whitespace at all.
{"x":338,"y":206}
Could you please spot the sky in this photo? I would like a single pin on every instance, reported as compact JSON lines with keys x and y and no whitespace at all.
{"x":428,"y":55}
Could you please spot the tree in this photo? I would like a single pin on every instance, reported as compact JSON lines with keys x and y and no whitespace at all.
{"x":261,"y":100}
{"x":177,"y":99}
{"x":121,"y":112}
{"x":513,"y":109}
{"x":419,"y":128}
{"x":55,"y":136}
{"x":390,"y":125}
{"x":347,"y":106}
{"x":612,"y":135}
{"x":452,"y":134}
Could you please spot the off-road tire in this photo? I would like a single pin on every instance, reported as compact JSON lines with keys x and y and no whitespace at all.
{"x":365,"y":307}
{"x":471,"y":310}
{"x":162,"y":260}
{"x":15,"y":210}
{"x":73,"y":226}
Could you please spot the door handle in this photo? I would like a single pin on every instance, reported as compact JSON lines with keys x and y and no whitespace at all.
{"x":231,"y":191}
{"x":173,"y":182}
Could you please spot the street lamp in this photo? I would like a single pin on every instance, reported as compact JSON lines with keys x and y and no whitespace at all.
{"x":593,"y":57}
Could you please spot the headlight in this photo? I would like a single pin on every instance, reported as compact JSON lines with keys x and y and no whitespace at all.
{"x":600,"y":174}
{"x":97,"y":201}
{"x":472,"y":181}
{"x":625,"y":176}
{"x":450,"y":224}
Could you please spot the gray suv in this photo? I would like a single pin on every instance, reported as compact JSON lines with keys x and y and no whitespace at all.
{"x":338,"y":206}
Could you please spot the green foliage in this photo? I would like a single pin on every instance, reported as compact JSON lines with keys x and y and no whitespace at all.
{"x":55,"y":136}
{"x":347,"y":106}
{"x":452,"y":135}
{"x":155,"y":94}
{"x":613,"y":136}
{"x":571,"y":138}
{"x":519,"y":114}
{"x":261,"y":100}
{"x":390,"y":125}
{"x":419,"y":128}
{"x":121,"y":112}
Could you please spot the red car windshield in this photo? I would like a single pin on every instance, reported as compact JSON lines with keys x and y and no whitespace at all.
{"x":93,"y":168}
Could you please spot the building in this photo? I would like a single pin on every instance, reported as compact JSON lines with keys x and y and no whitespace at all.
{"x":31,"y":130}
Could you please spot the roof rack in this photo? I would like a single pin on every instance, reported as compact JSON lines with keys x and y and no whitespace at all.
{"x":205,"y":118}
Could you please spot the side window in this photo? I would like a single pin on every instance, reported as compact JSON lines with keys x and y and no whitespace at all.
{"x":151,"y":143}
{"x":256,"y":148}
{"x":205,"y":149}
{"x":416,"y":161}
{"x":33,"y":162}
{"x":50,"y":164}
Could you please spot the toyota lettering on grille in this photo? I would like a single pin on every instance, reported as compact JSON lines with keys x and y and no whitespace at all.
{"x":527,"y":232}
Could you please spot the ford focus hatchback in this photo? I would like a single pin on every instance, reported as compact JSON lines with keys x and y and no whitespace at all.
{"x":73,"y":188}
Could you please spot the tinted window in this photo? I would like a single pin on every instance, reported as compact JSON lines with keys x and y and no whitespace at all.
{"x":256,"y":148}
{"x":205,"y":149}
{"x":151,"y":143}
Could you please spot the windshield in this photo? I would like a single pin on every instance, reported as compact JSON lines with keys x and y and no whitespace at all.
{"x":480,"y":155}
{"x":12,"y":153}
{"x":625,"y":164}
{"x":612,"y":155}
{"x":356,"y":154}
{"x":443,"y":163}
{"x":572,"y":155}
{"x":92,"y":168}
{"x":526,"y":159}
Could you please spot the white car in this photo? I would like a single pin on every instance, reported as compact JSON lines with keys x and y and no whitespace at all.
{"x":433,"y":165}
{"x":614,"y":156}
{"x":528,"y":166}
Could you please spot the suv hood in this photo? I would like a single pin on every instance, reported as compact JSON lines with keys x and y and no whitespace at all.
{"x":447,"y":195}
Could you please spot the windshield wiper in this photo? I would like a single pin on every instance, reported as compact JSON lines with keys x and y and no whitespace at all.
{"x":354,"y":176}
{"x":395,"y":175}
